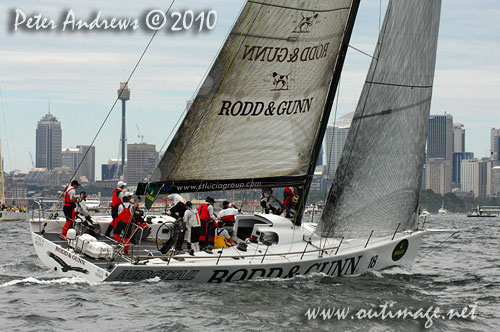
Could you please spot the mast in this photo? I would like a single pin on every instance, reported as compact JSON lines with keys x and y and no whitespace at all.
{"x":327,"y":109}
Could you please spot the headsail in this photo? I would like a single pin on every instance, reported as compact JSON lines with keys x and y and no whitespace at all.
{"x":256,"y":116}
{"x":377,"y":183}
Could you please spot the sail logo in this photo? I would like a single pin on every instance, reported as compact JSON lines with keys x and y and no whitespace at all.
{"x":306,"y":23}
{"x":284,"y":54}
{"x":280,"y":81}
{"x":256,"y":108}
{"x":400,"y":250}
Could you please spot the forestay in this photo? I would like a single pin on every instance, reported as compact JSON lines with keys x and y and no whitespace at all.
{"x":378,"y":181}
{"x":256,"y":116}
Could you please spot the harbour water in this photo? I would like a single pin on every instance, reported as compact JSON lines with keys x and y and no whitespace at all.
{"x":459,"y":272}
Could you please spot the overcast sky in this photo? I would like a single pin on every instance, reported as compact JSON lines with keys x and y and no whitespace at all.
{"x":80,"y":71}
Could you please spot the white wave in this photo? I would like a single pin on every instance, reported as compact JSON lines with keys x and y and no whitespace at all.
{"x":35,"y":281}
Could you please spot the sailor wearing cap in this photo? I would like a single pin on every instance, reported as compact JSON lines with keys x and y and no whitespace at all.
{"x":69,"y":208}
{"x":116,"y":201}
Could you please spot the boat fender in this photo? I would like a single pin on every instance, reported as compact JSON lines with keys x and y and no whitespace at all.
{"x":71,"y":234}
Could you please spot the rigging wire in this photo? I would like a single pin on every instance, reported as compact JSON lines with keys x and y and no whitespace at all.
{"x":119,"y":94}
{"x":437,"y":245}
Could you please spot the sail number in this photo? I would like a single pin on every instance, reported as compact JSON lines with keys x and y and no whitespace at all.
{"x":181,"y":21}
{"x":373,"y":261}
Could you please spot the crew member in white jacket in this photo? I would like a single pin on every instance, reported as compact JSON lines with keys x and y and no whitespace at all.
{"x":192,"y":226}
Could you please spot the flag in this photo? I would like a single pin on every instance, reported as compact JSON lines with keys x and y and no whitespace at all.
{"x":151,"y":194}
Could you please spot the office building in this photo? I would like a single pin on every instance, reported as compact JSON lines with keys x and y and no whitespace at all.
{"x":110,"y":171}
{"x":72,"y":157}
{"x":495,"y":144}
{"x":335,"y":138}
{"x":438,"y":175}
{"x":476,"y":177}
{"x":142,"y":158}
{"x":48,"y":143}
{"x":458,"y":137}
{"x":440,"y":137}
{"x":457,"y":164}
{"x":495,"y":181}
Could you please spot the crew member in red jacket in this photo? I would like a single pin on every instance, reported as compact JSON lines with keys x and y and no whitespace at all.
{"x":69,"y":209}
{"x":116,"y":201}
{"x":208,"y":220}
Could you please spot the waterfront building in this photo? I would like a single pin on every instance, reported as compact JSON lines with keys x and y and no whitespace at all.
{"x":476,"y":177}
{"x":438,"y":175}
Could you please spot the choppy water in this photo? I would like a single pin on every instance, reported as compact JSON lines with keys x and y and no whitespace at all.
{"x":462,"y":271}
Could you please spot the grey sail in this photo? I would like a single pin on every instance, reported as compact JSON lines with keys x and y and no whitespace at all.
{"x":1,"y":177}
{"x":256,"y":117}
{"x":378,"y":180}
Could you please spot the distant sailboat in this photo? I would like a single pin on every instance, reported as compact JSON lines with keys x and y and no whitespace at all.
{"x":8,"y":213}
{"x":267,"y":100}
{"x":442,"y":211}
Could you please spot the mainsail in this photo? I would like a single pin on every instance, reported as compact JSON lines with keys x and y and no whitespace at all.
{"x":378,"y":180}
{"x":1,"y":177}
{"x":256,"y":117}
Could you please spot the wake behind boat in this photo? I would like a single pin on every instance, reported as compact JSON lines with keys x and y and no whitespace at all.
{"x":279,"y":81}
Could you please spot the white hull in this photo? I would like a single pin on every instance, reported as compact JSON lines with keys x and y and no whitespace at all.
{"x":13,"y":216}
{"x":280,"y":261}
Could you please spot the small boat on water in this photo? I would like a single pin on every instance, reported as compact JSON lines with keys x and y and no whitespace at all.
{"x":484,"y":212}
{"x":9,"y":213}
{"x":425,"y":213}
{"x":442,"y":211}
{"x":275,"y":78}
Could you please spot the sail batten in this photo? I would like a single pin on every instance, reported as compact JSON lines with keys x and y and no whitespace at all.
{"x":378,"y":180}
{"x":257,"y":112}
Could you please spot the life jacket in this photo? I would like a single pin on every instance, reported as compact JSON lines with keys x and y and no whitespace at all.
{"x":115,"y":200}
{"x":125,"y":215}
{"x":227,"y":215}
{"x":67,"y":198}
{"x":203,"y":212}
{"x":219,"y":241}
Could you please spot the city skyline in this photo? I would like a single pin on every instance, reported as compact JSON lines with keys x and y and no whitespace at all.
{"x":79,"y":73}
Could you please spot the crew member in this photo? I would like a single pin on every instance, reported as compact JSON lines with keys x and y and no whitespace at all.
{"x":266,"y":201}
{"x":227,"y":213}
{"x":192,"y":228}
{"x":124,"y":222}
{"x":208,"y":219}
{"x":116,"y":201}
{"x":81,"y":209}
{"x":222,"y":237}
{"x":177,"y":211}
{"x":70,"y":200}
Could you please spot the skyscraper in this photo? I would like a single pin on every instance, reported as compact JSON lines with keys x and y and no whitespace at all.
{"x":48,"y":142}
{"x":477,"y":177}
{"x":458,"y":137}
{"x":495,"y":144}
{"x":438,"y":175}
{"x":457,"y":164}
{"x":141,"y":161}
{"x":72,"y":158}
{"x":440,"y":138}
{"x":335,"y":138}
